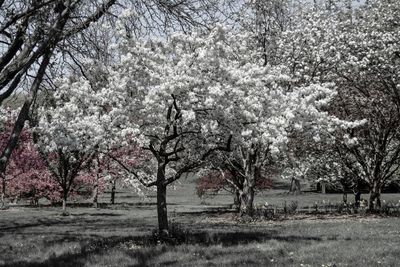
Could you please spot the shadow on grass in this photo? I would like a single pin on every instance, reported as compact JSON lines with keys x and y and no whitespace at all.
{"x":210,"y":211}
{"x":75,"y":259}
{"x":81,"y":222}
{"x":102,"y":205}
{"x":46,"y":222}
{"x":229,"y":237}
{"x":150,"y":246}
{"x":101,"y":214}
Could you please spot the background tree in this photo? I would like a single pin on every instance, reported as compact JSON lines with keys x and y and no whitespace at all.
{"x":30,"y":31}
{"x":68,"y":133}
{"x":357,"y":52}
{"x":213,"y":182}
{"x":27,"y":175}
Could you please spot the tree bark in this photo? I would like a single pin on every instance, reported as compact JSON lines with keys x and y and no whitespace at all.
{"x":247,"y":200}
{"x":16,"y":132}
{"x":113,"y":191}
{"x":295,"y":186}
{"x":252,"y":172}
{"x":162,"y":209}
{"x":345,"y":189}
{"x":64,"y":204}
{"x":236,"y":200}
{"x":323,"y":187}
{"x":3,"y":190}
{"x":357,"y":198}
{"x":375,"y":197}
{"x":24,"y":113}
{"x":96,"y":192}
{"x":162,"y":213}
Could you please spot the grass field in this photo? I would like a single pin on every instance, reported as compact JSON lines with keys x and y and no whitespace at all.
{"x":119,"y":235}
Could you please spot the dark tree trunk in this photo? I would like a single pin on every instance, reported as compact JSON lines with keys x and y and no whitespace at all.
{"x":96,"y":193}
{"x":344,"y":197}
{"x":14,"y":137}
{"x":162,"y":201}
{"x":236,"y":200}
{"x":357,"y":198}
{"x":95,"y":196}
{"x":345,"y":190}
{"x":162,"y":209}
{"x":113,"y":191}
{"x":23,"y":115}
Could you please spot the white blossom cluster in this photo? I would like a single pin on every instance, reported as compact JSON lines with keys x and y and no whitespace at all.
{"x":212,"y":80}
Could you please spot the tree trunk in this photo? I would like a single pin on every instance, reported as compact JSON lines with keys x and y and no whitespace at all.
{"x":15,"y":134}
{"x":96,"y":192}
{"x":236,"y":200}
{"x":252,"y":171}
{"x":345,"y":189}
{"x":247,"y":200}
{"x":95,"y":197}
{"x":295,"y":186}
{"x":344,"y":197}
{"x":23,"y":115}
{"x":357,"y":198}
{"x":113,"y":191}
{"x":375,"y":197}
{"x":64,"y":205}
{"x":323,"y":187}
{"x":162,"y":202}
{"x":162,"y":210}
{"x":64,"y":202}
{"x":3,"y":191}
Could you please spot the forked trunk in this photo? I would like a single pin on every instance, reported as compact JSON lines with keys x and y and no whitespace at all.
{"x":295,"y":186}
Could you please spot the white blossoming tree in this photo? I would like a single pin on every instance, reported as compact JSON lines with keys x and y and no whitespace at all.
{"x":160,"y":93}
{"x":68,"y":132}
{"x":199,"y":95}
{"x":358,"y":52}
{"x":184,"y":101}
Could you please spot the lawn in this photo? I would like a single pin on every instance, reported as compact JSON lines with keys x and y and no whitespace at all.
{"x":120,"y":235}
